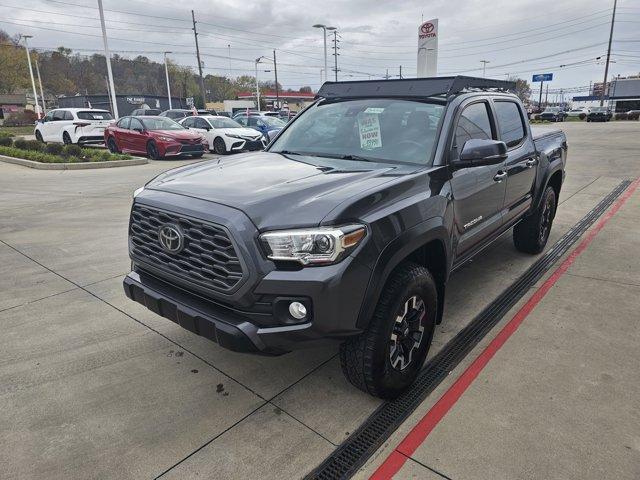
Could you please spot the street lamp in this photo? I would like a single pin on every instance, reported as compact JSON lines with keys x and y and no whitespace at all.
{"x":325,"y":28}
{"x":257,"y":84}
{"x":484,"y":66}
{"x":108,"y":58}
{"x":33,"y":82}
{"x":166,"y":72}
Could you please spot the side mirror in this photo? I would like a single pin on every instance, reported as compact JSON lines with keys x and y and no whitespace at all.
{"x":476,"y":153}
{"x":139,"y":130}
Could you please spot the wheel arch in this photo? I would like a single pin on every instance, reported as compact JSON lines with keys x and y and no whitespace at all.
{"x":426,"y":244}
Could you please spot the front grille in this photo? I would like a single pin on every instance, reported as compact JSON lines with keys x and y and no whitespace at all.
{"x":191,"y":148}
{"x":208,"y":258}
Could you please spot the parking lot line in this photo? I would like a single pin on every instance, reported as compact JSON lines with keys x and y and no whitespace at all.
{"x":430,"y":420}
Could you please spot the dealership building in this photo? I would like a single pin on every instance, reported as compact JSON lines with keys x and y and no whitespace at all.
{"x":126,"y":103}
{"x":623,"y":94}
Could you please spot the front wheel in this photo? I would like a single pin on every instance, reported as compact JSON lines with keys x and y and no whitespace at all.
{"x":152,"y":151}
{"x":387,"y":357}
{"x":532,"y":233}
{"x":112,"y":146}
{"x":219,"y":146}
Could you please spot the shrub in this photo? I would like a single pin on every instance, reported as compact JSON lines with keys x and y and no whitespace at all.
{"x":634,"y":116}
{"x":620,"y":116}
{"x":72,"y":151}
{"x":29,"y":155}
{"x":582,"y":116}
{"x":26,"y":117}
{"x":33,"y":145}
{"x":54,"y":148}
{"x":6,"y":141}
{"x":20,"y":143}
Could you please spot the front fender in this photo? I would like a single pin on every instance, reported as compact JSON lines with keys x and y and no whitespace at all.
{"x":394,"y":253}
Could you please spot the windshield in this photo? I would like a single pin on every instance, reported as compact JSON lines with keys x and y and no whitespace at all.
{"x":599,"y":109}
{"x":273,"y":122}
{"x":224,"y":122}
{"x":160,"y":123}
{"x":90,"y":115}
{"x":387,"y":130}
{"x":552,"y":109}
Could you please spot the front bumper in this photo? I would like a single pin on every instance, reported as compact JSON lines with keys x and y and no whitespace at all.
{"x":167,"y":149}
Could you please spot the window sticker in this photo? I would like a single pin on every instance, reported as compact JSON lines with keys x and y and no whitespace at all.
{"x":374,"y":110}
{"x":369,"y":128}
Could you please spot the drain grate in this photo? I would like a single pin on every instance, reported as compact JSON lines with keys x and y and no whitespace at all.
{"x":358,"y":448}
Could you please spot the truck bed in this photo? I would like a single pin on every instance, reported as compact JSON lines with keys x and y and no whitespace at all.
{"x":539,"y":132}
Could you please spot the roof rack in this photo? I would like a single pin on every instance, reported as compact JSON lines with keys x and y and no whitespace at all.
{"x":410,"y":87}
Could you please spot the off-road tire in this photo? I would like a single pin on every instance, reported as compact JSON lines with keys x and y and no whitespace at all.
{"x":530,"y":235}
{"x":365,"y":359}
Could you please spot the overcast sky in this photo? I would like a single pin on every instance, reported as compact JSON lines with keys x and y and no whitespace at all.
{"x":517,"y":37}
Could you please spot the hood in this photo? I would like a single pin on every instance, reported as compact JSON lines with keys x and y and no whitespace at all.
{"x":278,"y":191}
{"x":241,"y":132}
{"x":177,"y":134}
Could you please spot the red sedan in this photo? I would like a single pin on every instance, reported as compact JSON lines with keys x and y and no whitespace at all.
{"x":155,"y":137}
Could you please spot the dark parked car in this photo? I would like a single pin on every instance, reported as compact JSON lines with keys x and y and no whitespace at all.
{"x":599,"y":114}
{"x":156,"y":137}
{"x":146,"y":112}
{"x":348,"y":226}
{"x":178,"y":113}
{"x":553,"y":114}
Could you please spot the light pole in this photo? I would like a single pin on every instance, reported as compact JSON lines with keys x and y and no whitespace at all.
{"x":257,"y":84}
{"x":44,"y":105}
{"x":324,"y":29}
{"x":484,"y":66}
{"x":108,"y":57}
{"x":166,"y":73}
{"x":33,"y":82}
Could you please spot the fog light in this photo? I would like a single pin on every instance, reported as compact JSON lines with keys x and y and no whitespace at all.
{"x":297,"y":310}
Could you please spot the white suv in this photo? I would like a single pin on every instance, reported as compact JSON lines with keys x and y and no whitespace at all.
{"x":73,"y":125}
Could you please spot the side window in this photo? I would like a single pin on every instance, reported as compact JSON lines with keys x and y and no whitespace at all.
{"x":135,"y":123}
{"x":242,"y":121}
{"x":68,"y":115}
{"x":58,"y":115}
{"x":252,"y":121}
{"x":473,"y":123}
{"x":188,"y":122}
{"x":202,"y":123}
{"x":124,"y":123}
{"x":510,"y":123}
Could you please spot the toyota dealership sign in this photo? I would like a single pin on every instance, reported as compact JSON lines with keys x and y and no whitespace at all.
{"x":428,"y":48}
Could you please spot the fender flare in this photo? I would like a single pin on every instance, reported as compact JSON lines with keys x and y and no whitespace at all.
{"x":394,"y":253}
{"x":554,"y":167}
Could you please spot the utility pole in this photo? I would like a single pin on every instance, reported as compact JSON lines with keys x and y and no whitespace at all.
{"x":275,"y":69}
{"x":335,"y":52}
{"x":195,"y":34}
{"x":166,"y":73}
{"x":400,"y":71}
{"x":606,"y":67}
{"x":484,"y":67}
{"x":229,"y":47}
{"x":546,"y":96}
{"x":108,"y":57}
{"x":324,"y":29}
{"x":33,"y":83}
{"x":44,"y":106}
{"x":321,"y":80}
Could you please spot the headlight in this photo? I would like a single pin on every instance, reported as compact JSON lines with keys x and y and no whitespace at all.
{"x":234,"y":136}
{"x":165,"y":139}
{"x":314,"y":246}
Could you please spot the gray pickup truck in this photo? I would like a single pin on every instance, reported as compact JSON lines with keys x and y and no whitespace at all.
{"x":348,"y":226}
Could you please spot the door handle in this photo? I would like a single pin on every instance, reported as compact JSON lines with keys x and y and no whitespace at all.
{"x":532,"y":162}
{"x":500,"y":176}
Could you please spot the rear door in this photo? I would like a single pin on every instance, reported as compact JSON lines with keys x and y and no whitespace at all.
{"x":478,"y":192}
{"x":522,"y":158}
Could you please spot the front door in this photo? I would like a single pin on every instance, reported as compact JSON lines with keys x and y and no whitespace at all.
{"x":478,"y":192}
{"x":136,"y":137}
{"x":521,"y":161}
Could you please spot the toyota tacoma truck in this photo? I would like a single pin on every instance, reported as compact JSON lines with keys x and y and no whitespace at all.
{"x":347,"y":227}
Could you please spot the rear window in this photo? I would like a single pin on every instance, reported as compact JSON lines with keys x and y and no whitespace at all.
{"x":90,"y":115}
{"x":510,"y":123}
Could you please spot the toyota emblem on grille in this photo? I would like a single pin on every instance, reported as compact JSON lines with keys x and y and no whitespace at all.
{"x":171,"y":238}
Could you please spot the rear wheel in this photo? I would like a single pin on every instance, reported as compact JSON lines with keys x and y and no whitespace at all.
{"x":66,"y":138}
{"x":152,"y":151}
{"x":532,"y":233}
{"x":386,"y":358}
{"x":39,"y":136}
{"x":219,"y":146}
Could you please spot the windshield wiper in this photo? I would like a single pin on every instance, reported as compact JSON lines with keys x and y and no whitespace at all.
{"x":348,"y":156}
{"x":289,"y":152}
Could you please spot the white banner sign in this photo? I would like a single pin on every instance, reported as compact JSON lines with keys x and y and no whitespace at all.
{"x":428,"y":49}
